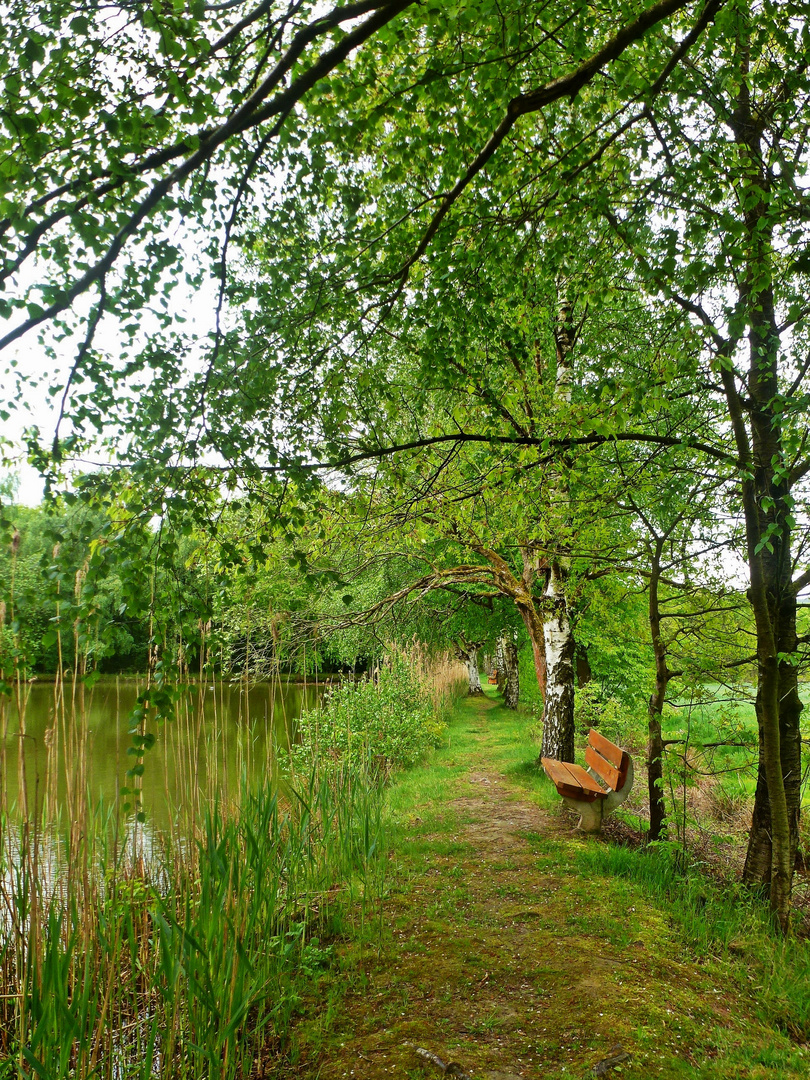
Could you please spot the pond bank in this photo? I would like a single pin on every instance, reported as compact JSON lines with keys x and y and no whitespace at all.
{"x":514,"y":947}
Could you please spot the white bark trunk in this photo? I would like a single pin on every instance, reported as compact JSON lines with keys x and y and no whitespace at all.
{"x":472,"y":672}
{"x":497,"y":659}
{"x":558,"y":712}
{"x":511,"y":689}
{"x":467,"y":652}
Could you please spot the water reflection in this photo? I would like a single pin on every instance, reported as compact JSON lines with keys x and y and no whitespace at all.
{"x":65,"y":747}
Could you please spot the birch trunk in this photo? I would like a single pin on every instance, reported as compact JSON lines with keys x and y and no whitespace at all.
{"x":511,"y":677}
{"x":472,"y":673}
{"x":467,"y":653}
{"x":558,"y":711}
{"x":499,"y":664}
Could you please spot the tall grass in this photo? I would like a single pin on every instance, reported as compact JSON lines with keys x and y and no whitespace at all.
{"x":441,"y":677}
{"x":188,"y":963}
{"x":128,"y":952}
{"x":132,"y":952}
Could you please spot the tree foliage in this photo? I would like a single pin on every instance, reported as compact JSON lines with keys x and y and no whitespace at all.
{"x":419,"y":219}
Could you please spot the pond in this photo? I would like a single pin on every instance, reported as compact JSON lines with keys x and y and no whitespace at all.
{"x":70,"y":752}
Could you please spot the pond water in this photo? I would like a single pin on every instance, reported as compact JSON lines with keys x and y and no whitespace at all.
{"x":70,"y":751}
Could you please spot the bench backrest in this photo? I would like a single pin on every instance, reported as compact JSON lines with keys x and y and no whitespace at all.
{"x":607,"y":760}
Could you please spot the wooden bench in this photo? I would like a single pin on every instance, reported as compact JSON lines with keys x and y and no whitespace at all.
{"x":596,"y":791}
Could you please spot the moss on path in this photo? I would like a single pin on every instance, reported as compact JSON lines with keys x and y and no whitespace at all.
{"x":517,"y":948}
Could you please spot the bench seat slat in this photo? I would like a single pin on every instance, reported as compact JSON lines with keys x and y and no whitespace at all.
{"x":573,"y":781}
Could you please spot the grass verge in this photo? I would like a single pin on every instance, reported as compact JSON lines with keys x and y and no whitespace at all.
{"x":515,"y":947}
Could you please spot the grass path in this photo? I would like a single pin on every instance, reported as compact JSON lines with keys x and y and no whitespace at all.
{"x":513,"y":946}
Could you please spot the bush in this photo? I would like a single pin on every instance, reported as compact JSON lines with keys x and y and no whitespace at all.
{"x":593,"y":708}
{"x":390,"y":722}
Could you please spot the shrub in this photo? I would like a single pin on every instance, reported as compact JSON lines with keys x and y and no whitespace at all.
{"x":389,"y":721}
{"x":594,"y":708}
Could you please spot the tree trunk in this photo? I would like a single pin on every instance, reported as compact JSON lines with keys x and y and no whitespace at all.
{"x":767,"y":508}
{"x":472,"y":672}
{"x":583,"y":666}
{"x":511,"y":685}
{"x":534,"y":626}
{"x":499,"y":664}
{"x":467,"y":653}
{"x":655,"y":742}
{"x":757,"y":868}
{"x":758,"y":860}
{"x":774,"y":836}
{"x":558,"y":713}
{"x":520,"y":589}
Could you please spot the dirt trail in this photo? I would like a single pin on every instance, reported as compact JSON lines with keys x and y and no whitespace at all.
{"x":499,"y":956}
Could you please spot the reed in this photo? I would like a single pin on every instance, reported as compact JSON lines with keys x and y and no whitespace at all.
{"x":442,"y":677}
{"x":132,"y":952}
{"x":135,"y":948}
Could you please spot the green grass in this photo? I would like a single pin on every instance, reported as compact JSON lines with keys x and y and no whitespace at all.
{"x":464,"y":915}
{"x":723,"y":715}
{"x":537,"y":951}
{"x":197,"y":969}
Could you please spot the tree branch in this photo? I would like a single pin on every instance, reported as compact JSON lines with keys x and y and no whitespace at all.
{"x":565,"y":86}
{"x":507,"y":440}
{"x":247,"y":116}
